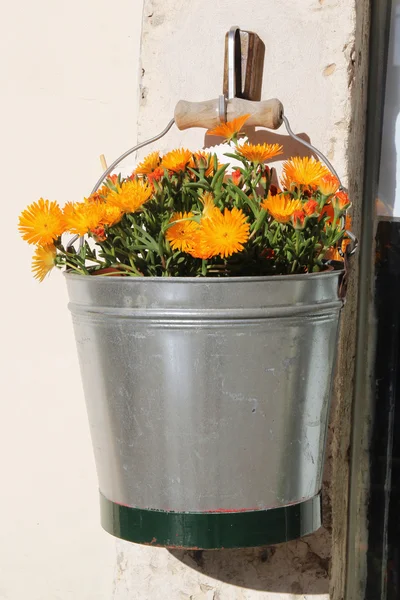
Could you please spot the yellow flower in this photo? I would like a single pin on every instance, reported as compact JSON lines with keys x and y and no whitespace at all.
{"x":149,"y":164}
{"x":41,"y":222}
{"x":302,"y":171}
{"x":209,"y":208}
{"x":281,"y":207}
{"x":181,"y":234}
{"x":176,"y":160}
{"x":82,"y":217}
{"x":111,"y":215}
{"x":231,"y":129}
{"x":43,"y":261}
{"x":130,"y":196}
{"x":100,"y":195}
{"x":199,"y":247}
{"x":259,"y":153}
{"x":224,"y":234}
{"x":328,"y":185}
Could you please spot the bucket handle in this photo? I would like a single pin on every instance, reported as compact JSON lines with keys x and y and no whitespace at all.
{"x":351,"y":248}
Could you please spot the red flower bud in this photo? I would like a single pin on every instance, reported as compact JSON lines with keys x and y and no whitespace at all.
{"x":310,"y":207}
{"x":155,"y":175}
{"x":298,"y":219}
{"x":341,"y":201}
{"x":236,"y":175}
{"x":99,"y":233}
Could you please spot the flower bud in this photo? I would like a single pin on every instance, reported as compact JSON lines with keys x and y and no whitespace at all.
{"x":99,"y":233}
{"x":236,"y":176}
{"x":299,"y":219}
{"x":311,"y":208}
{"x":155,"y":175}
{"x":340,"y":202}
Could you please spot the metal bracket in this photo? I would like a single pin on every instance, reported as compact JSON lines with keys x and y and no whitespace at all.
{"x":244,"y":64}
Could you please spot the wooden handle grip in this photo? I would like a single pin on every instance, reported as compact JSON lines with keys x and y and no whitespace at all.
{"x":267,"y":113}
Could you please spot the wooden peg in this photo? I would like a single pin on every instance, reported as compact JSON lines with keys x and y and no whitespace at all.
{"x":103,"y":162}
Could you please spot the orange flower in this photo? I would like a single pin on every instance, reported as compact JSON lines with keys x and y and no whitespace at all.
{"x":181,"y":234}
{"x":43,"y":261}
{"x":341,"y":201}
{"x":334,"y":253}
{"x":231,"y":129}
{"x":155,"y":175}
{"x":298,"y":219}
{"x":149,"y":164}
{"x":82,"y":217}
{"x":328,"y":185}
{"x":41,"y":222}
{"x":328,"y":212}
{"x":176,"y":160}
{"x":281,"y":207}
{"x":130,"y":196}
{"x":111,"y":215}
{"x":224,"y":234}
{"x":199,"y":250}
{"x":310,"y":207}
{"x":199,"y":247}
{"x":209,"y":208}
{"x":302,"y":171}
{"x":259,"y":153}
{"x":100,"y":195}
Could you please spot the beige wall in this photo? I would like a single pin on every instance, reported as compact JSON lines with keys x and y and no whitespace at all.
{"x":69,"y":93}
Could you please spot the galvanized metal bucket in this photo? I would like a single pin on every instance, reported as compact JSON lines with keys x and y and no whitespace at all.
{"x":208,"y":401}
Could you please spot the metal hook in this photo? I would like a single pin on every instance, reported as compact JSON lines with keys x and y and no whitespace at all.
{"x":234,"y":63}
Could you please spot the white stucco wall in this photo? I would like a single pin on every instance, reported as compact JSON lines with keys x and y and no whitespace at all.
{"x":70,"y":92}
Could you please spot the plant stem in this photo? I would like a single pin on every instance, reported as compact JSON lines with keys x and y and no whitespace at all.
{"x":75,"y":268}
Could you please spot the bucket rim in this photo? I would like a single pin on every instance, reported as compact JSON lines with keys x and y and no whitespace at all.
{"x":331,"y":273}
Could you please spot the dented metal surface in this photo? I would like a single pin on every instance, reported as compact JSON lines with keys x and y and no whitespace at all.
{"x":207,"y":394}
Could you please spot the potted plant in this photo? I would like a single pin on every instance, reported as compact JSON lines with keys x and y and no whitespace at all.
{"x":205,"y":306}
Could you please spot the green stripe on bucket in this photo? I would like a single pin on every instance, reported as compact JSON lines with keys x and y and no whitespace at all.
{"x":204,"y":531}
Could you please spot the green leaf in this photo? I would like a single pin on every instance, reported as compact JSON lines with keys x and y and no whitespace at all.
{"x":238,"y":157}
{"x":252,"y":205}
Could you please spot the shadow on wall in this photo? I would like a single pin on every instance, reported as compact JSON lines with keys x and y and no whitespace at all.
{"x":264,"y":136}
{"x":298,"y":567}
